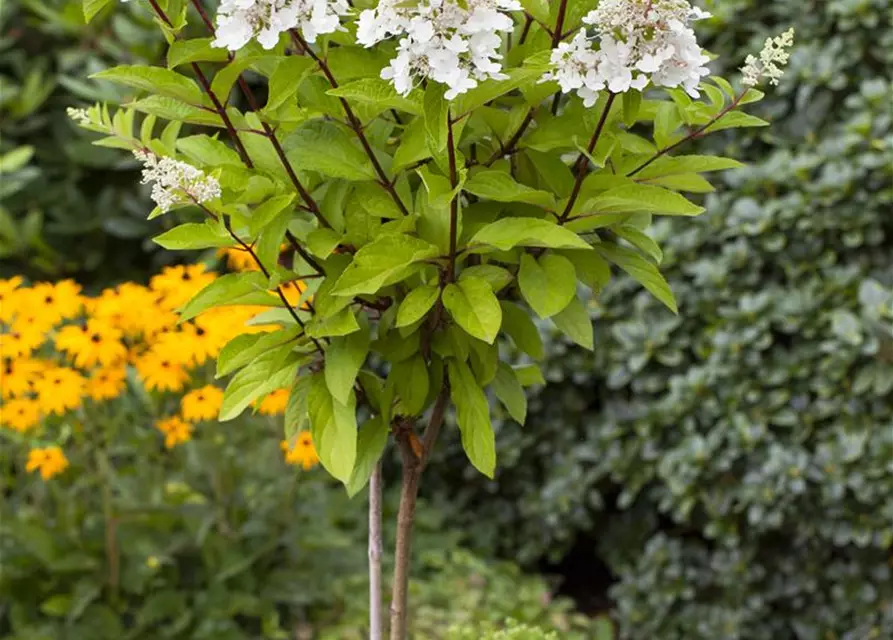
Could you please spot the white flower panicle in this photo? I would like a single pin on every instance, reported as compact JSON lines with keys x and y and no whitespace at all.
{"x":238,"y":21}
{"x":80,"y":116}
{"x":175,"y":182}
{"x":773,"y":58}
{"x":440,"y":40}
{"x":639,"y":41}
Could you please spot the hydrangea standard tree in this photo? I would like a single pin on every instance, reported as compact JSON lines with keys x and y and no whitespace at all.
{"x":439,"y":172}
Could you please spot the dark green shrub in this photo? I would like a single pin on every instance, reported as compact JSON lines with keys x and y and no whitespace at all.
{"x":68,"y":206}
{"x":733,"y":463}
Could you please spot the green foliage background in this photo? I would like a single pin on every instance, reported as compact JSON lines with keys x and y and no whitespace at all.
{"x":720,"y":474}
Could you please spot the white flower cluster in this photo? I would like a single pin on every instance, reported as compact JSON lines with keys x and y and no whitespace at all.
{"x":639,"y":41}
{"x":80,"y":116}
{"x":176,"y":182}
{"x":238,"y":21}
{"x":440,"y":40}
{"x":772,"y":58}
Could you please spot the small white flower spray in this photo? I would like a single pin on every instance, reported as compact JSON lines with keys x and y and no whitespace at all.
{"x":773,"y":58}
{"x":175,"y":182}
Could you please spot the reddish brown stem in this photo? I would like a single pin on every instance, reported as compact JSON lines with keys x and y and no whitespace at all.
{"x":353,"y":122}
{"x":583,"y":159}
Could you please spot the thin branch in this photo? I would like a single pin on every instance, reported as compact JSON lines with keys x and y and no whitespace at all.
{"x":409,"y":491}
{"x":352,"y":121}
{"x":454,"y":203}
{"x":556,"y":38}
{"x":375,"y":553}
{"x":691,"y":136}
{"x":583,"y":159}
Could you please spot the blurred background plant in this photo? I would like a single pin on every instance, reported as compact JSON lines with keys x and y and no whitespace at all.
{"x":721,"y":474}
{"x":68,"y":207}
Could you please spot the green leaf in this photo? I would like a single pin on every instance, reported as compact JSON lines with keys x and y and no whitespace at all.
{"x":176,"y":110}
{"x":57,"y":605}
{"x":575,"y":323}
{"x":194,"y":235}
{"x":270,"y":240}
{"x":207,"y":151}
{"x":155,"y":80}
{"x":268,"y":211}
{"x":322,"y":242}
{"x":632,"y":102}
{"x":640,"y":198}
{"x":508,"y":233}
{"x":271,"y":370}
{"x":644,"y":272}
{"x":516,"y":322}
{"x":497,"y":277}
{"x":555,"y":173}
{"x":344,"y":358}
{"x":388,"y":259}
{"x":673,"y":165}
{"x":371,"y":443}
{"x":510,"y":393}
{"x":341,"y":323}
{"x":334,"y":428}
{"x":437,"y":111}
{"x":548,"y":284}
{"x":297,"y":411}
{"x":473,"y":416}
{"x":416,"y":304}
{"x":379,"y":93}
{"x":474,"y":307}
{"x":591,"y":268}
{"x":529,"y":375}
{"x":411,"y":381}
{"x":641,"y":241}
{"x":246,"y":347}
{"x":500,"y":186}
{"x":735,"y":120}
{"x":287,"y":77}
{"x":666,"y":121}
{"x":92,"y":7}
{"x":247,"y":287}
{"x":489,"y":90}
{"x":322,"y":146}
{"x":194,"y":50}
{"x":413,"y":145}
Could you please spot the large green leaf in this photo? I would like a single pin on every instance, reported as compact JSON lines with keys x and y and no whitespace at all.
{"x":516,"y":322}
{"x":473,"y":416}
{"x":246,"y":347}
{"x":510,"y":392}
{"x":297,"y":411}
{"x":271,"y":370}
{"x":641,"y":198}
{"x":371,"y":443}
{"x":411,"y":381}
{"x":575,"y":323}
{"x":193,"y":50}
{"x":286,"y":79}
{"x":334,"y":428}
{"x":324,"y":147}
{"x":344,"y":357}
{"x":390,"y":258}
{"x":644,"y":272}
{"x":194,"y":235}
{"x":380,"y":93}
{"x":474,"y":307}
{"x":155,"y":80}
{"x":547,"y":284}
{"x":416,"y":304}
{"x":507,"y":233}
{"x":500,"y":186}
{"x":247,"y":287}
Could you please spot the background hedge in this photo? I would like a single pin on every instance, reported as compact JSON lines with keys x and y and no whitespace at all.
{"x":731,"y":467}
{"x":721,"y":474}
